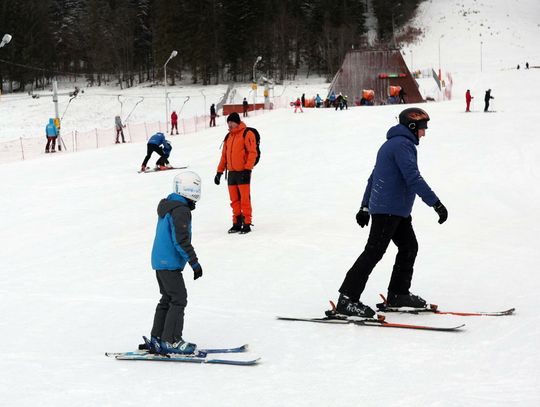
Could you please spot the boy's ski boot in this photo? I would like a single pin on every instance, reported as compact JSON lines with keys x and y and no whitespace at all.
{"x":345,"y":306}
{"x":181,"y":347}
{"x":152,"y":345}
{"x":402,"y":302}
{"x":246,"y":228}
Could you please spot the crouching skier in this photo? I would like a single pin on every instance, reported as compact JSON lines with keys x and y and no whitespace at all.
{"x":171,"y":251}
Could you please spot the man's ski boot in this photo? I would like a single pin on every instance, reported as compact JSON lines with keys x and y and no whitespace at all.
{"x":345,"y":306}
{"x":246,"y":228}
{"x":237,"y":226}
{"x":181,"y":347}
{"x":402,"y":302}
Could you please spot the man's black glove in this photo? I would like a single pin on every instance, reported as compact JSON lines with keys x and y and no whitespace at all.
{"x":217,"y":178}
{"x":362,"y":217}
{"x":246,"y":176}
{"x":197,"y":271}
{"x":441,"y":211}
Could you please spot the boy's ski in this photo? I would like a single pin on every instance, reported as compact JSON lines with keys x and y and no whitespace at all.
{"x":148,"y":169}
{"x":434,"y":309}
{"x":144,"y":351}
{"x":188,"y":359}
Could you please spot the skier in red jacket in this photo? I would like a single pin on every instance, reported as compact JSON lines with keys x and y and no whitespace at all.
{"x":468,"y":99}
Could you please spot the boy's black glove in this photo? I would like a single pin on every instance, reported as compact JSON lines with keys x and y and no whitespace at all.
{"x":197,"y":271}
{"x":362,"y":217}
{"x":217,"y":178}
{"x":441,"y":211}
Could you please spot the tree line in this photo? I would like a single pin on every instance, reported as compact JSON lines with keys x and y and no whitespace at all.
{"x":128,"y":41}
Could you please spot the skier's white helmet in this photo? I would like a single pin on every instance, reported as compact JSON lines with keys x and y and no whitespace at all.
{"x":188,"y":185}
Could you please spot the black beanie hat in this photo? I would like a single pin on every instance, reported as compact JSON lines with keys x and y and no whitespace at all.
{"x":234,"y":117}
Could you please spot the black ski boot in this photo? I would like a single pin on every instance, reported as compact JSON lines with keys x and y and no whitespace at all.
{"x":246,"y":228}
{"x":405,"y":300}
{"x":353,"y":309}
{"x":237,"y":226}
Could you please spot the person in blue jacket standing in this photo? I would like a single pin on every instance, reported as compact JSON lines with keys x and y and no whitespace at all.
{"x":389,"y":198}
{"x":171,"y":251}
{"x":154,"y":146}
{"x":51,"y":132}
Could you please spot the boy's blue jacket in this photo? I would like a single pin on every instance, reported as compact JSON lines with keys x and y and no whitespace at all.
{"x":396,"y":180}
{"x":172,"y":245}
{"x":157,"y":139}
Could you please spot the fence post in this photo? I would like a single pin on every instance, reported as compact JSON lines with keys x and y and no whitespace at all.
{"x":97,"y":139}
{"x":22,"y":149}
{"x":145,"y":131}
{"x":129,"y":131}
{"x":184,"y":126}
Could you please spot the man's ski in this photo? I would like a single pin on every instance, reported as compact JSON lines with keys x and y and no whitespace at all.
{"x":188,"y":359}
{"x":434,"y":309}
{"x":337,"y":320}
{"x":332,"y":317}
{"x":158,"y":170}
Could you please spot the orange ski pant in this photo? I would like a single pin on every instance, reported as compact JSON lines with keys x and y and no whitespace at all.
{"x":241,"y":202}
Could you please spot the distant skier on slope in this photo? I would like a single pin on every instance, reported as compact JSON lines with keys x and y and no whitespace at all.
{"x":154,"y":146}
{"x":51,"y":132}
{"x":119,"y":126}
{"x":171,"y":251}
{"x":487,"y":97}
{"x":389,"y":198}
{"x":468,"y":99}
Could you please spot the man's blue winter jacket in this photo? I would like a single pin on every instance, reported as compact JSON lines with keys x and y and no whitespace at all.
{"x":172,"y":245}
{"x":157,"y":139}
{"x":396,"y":180}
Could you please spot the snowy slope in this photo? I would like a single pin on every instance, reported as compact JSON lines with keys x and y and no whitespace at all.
{"x":76,"y":281}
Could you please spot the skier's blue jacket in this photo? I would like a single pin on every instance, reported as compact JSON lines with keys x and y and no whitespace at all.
{"x":157,"y":139}
{"x":167,"y":148}
{"x":396,"y":180}
{"x":50,"y":129}
{"x":172,"y":245}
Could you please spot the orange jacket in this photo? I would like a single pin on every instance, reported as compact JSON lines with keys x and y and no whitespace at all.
{"x":238,"y":153}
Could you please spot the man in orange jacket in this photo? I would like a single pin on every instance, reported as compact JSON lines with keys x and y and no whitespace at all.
{"x":238,"y":157}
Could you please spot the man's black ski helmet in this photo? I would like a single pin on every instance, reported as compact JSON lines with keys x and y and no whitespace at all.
{"x":414,"y":118}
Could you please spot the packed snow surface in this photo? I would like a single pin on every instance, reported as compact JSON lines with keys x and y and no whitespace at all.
{"x":76,"y":280}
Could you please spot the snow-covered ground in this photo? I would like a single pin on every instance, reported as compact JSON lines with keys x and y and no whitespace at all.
{"x":76,"y":280}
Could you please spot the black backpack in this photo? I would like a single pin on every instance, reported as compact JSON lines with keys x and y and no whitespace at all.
{"x":257,"y":141}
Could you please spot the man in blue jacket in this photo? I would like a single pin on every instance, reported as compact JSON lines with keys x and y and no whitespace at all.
{"x":388,"y":198}
{"x":171,"y":252}
{"x":154,"y":146}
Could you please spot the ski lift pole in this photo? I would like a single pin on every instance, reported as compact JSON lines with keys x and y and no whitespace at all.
{"x":132,"y":110}
{"x":185,"y":101}
{"x":121,"y":104}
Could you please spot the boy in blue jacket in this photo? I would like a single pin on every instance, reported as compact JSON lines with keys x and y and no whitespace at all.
{"x":171,"y":251}
{"x":389,"y":198}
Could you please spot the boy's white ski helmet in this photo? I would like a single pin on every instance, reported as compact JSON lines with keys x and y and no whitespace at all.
{"x":188,"y":185}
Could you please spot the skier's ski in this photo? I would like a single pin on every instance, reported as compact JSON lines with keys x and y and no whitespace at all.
{"x":373,"y":322}
{"x":434,"y":309}
{"x":144,"y":351}
{"x":332,"y":317}
{"x":167,"y":169}
{"x":188,"y":359}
